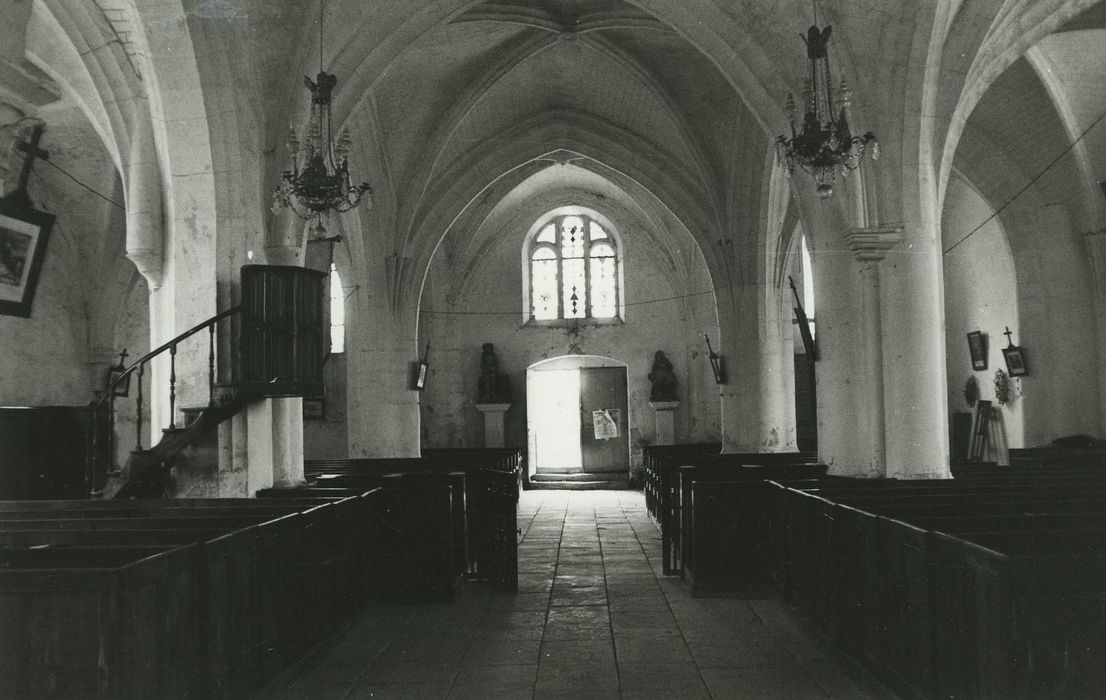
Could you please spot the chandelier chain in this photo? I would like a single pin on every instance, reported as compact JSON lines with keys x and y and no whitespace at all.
{"x":821,"y":141}
{"x":321,"y":187}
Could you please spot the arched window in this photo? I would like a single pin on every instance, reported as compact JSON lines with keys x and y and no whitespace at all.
{"x":808,"y":282}
{"x":573,"y":270}
{"x":337,"y":312}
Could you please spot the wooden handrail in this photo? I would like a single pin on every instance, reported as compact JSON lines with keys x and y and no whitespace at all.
{"x":160,"y":349}
{"x":138,"y":367}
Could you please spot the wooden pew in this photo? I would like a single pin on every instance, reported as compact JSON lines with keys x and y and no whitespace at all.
{"x":656,"y":457}
{"x":410,"y":537}
{"x":480,"y":539}
{"x":669,"y":500}
{"x":954,"y":600}
{"x":262,"y":593}
{"x":105,"y":623}
{"x":724,"y":527}
{"x":456,"y":551}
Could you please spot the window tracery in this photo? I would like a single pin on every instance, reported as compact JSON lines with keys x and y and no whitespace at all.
{"x":573,"y":271}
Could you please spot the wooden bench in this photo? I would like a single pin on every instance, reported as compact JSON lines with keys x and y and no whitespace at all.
{"x":239,"y":595}
{"x":106,"y":623}
{"x":478,"y":504}
{"x":726,"y":525}
{"x":990,"y":593}
{"x":664,"y":479}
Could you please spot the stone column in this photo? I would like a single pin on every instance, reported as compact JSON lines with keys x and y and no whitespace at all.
{"x":259,"y":445}
{"x":915,"y":394}
{"x":840,"y":387}
{"x":288,"y":441}
{"x":869,"y":246}
{"x":666,"y":421}
{"x":494,"y":420}
{"x":275,"y":443}
{"x":758,"y":415}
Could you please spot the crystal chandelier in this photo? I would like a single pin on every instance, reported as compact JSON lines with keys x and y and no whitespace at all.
{"x":822,"y":144}
{"x":318,"y":184}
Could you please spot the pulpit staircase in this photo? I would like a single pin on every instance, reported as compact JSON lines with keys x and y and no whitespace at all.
{"x":280,"y":354}
{"x":146,"y":471}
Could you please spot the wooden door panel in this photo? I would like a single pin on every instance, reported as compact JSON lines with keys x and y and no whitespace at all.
{"x":603,"y":404}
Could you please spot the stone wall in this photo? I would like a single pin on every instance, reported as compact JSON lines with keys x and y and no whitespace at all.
{"x":658,"y":316}
{"x":980,"y":295}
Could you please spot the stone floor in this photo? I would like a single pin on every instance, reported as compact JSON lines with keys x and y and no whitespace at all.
{"x":593,"y":618}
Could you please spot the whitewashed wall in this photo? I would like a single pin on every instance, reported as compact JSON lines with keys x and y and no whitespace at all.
{"x":658,"y":317}
{"x":980,"y":295}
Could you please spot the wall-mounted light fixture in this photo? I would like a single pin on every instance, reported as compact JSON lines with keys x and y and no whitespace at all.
{"x":418,"y":376}
{"x":716,"y":365}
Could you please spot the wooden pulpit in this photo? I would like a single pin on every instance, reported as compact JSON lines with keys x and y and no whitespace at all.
{"x":282,"y":331}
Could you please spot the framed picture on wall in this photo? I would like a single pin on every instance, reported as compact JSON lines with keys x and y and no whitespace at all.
{"x":977,"y":348}
{"x":123,"y":388}
{"x":23,"y":236}
{"x":1015,"y":361}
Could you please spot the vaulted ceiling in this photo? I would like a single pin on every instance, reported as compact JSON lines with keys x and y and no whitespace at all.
{"x":677,"y":101}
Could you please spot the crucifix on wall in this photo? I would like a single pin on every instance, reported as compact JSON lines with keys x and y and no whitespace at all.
{"x":31,"y":148}
{"x":1015,"y":357}
{"x":24,"y":232}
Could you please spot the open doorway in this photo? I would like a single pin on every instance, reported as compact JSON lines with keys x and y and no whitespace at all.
{"x":578,"y":422}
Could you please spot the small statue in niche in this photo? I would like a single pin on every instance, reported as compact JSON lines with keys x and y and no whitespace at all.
{"x":663,"y":378}
{"x":494,"y":386}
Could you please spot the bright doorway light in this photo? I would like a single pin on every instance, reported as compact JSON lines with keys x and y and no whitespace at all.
{"x":553,"y":407}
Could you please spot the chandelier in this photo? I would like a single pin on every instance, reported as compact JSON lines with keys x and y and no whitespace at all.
{"x":318,"y":184}
{"x":822,"y":144}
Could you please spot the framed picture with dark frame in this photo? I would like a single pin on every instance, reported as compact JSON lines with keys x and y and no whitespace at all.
{"x":1015,"y":361}
{"x":24,"y":232}
{"x":124,"y":387}
{"x":977,"y":347}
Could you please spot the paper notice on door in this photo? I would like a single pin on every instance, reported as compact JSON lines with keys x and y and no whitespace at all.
{"x":605,"y":422}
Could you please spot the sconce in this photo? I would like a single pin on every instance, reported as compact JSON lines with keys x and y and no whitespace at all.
{"x":418,"y":375}
{"x":123,"y":388}
{"x":716,"y":365}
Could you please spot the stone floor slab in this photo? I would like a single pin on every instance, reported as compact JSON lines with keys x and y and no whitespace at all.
{"x":593,"y":618}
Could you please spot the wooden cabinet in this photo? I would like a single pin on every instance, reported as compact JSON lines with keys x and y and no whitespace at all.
{"x":42,"y":452}
{"x":282,"y":331}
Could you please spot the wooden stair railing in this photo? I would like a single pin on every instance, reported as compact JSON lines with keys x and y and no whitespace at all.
{"x":99,"y":465}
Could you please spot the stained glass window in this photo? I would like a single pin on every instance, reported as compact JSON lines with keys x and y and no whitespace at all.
{"x":543,"y":283}
{"x":603,"y":282}
{"x":573,"y":271}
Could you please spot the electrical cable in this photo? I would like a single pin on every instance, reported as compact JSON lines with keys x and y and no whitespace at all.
{"x":1028,"y":185}
{"x":101,"y":196}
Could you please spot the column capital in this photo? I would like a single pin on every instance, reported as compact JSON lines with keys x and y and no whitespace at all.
{"x":874,"y":242}
{"x":149,"y":263}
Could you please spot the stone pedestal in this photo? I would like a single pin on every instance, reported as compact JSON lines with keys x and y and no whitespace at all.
{"x":274,"y":435}
{"x":666,"y":421}
{"x":494,"y":434}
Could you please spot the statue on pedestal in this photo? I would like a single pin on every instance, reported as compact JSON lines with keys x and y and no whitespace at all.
{"x":663,"y":378}
{"x":494,"y":386}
